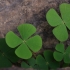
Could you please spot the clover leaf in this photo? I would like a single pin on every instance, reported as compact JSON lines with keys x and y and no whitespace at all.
{"x":7,"y":51}
{"x":62,"y":54}
{"x":47,"y":61}
{"x":31,"y":63}
{"x":7,"y":55}
{"x":28,"y":42}
{"x":4,"y":61}
{"x":60,"y":24}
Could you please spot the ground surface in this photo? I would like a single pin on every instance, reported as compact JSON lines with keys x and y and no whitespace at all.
{"x":15,"y":12}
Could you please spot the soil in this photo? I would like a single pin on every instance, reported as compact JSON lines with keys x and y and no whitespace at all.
{"x":16,"y":12}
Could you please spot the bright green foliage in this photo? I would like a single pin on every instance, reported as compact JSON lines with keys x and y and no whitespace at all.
{"x":62,"y":54}
{"x":31,"y":63}
{"x":27,"y":43}
{"x":6,"y":55}
{"x":47,"y":61}
{"x":60,"y":30}
{"x":65,"y":13}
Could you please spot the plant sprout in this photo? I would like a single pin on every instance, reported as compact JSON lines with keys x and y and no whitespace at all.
{"x":28,"y":43}
{"x":60,"y":24}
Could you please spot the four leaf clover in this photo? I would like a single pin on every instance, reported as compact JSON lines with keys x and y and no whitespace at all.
{"x":47,"y":61}
{"x":62,"y":54}
{"x":28,"y":43}
{"x":60,"y":24}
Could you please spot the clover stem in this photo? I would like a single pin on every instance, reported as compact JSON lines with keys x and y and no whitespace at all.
{"x":34,"y":54}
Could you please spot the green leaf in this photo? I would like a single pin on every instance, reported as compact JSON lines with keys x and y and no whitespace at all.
{"x":27,"y":44}
{"x":54,"y":65}
{"x":34,"y":43}
{"x":61,"y":53}
{"x":60,"y":32}
{"x":44,"y":67}
{"x":4,"y":62}
{"x":26,"y":30}
{"x":24,"y":65}
{"x":12,"y":56}
{"x":58,"y":56}
{"x":67,"y":58}
{"x":23,"y":51}
{"x":31,"y":61}
{"x":67,"y":55}
{"x":65,"y":13}
{"x":12,"y":40}
{"x":41,"y":62}
{"x":48,"y":61}
{"x":36,"y":67}
{"x":60,"y":47}
{"x":68,"y":50}
{"x":48,"y":54}
{"x":53,"y":18}
{"x":3,"y":46}
{"x":9,"y":53}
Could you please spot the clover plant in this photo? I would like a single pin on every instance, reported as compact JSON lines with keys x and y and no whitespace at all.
{"x":30,"y":63}
{"x":62,"y":54}
{"x":7,"y":56}
{"x":27,"y":43}
{"x":47,"y":61}
{"x":60,"y":23}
